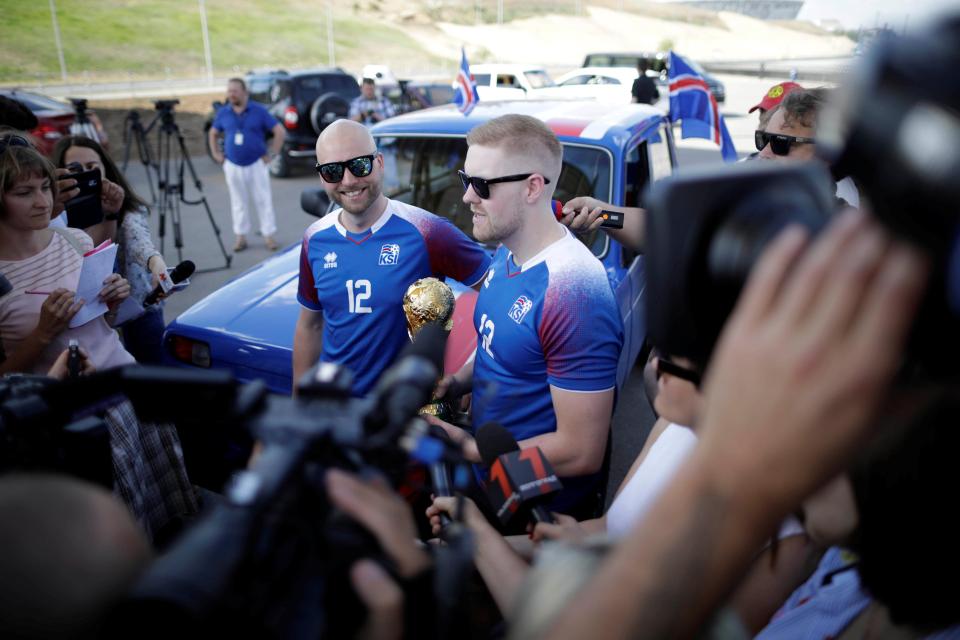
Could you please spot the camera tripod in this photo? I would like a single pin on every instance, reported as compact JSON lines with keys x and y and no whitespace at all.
{"x":170,"y":179}
{"x":134,"y":133}
{"x":82,"y":126}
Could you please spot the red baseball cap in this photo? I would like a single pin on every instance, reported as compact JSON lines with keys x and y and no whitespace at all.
{"x":775,"y":95}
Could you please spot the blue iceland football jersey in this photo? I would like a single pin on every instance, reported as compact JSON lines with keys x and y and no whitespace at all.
{"x":553,"y":321}
{"x":358,"y":281}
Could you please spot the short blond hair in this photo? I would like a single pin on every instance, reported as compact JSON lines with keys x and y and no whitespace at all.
{"x":520,"y":135}
{"x":18,"y":163}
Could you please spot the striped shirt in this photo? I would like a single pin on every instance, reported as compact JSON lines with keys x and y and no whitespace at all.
{"x":58,"y":265}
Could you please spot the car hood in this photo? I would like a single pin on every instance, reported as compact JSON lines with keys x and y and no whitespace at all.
{"x":254,"y":307}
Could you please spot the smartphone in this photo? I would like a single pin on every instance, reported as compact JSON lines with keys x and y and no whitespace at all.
{"x":85,"y":210}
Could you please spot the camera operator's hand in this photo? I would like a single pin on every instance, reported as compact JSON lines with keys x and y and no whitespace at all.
{"x":375,"y":506}
{"x":60,"y":371}
{"x":805,"y":358}
{"x":582,"y":214}
{"x":383,"y":599}
{"x":111,"y":197}
{"x":55,"y":314}
{"x":66,"y":189}
{"x":115,"y":290}
{"x":459,"y":437}
{"x":451,"y":389}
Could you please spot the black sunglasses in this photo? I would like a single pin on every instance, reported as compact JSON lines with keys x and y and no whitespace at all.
{"x":665,"y":366}
{"x":779,"y":143}
{"x":13,"y":140}
{"x":361,"y":166}
{"x":481,"y":186}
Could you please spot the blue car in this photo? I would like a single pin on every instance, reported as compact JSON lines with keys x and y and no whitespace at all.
{"x":610,"y":153}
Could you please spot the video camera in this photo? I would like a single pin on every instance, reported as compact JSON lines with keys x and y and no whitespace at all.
{"x":895,"y":128}
{"x":165,"y":105}
{"x":273,"y":555}
{"x":79,"y":104}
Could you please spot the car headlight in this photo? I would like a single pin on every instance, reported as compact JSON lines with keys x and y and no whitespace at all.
{"x":189,"y":351}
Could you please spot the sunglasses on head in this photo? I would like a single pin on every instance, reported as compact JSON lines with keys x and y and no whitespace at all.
{"x":481,"y":186}
{"x":665,"y":366}
{"x":13,"y":140}
{"x":361,"y":166}
{"x":779,"y":143}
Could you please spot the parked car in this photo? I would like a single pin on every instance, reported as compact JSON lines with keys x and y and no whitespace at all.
{"x":612,"y":154}
{"x":305,"y":102}
{"x":509,"y":81}
{"x":54,"y":117}
{"x":657,"y":63}
{"x":607,"y":84}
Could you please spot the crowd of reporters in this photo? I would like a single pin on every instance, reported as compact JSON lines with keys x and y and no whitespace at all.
{"x":797,"y":481}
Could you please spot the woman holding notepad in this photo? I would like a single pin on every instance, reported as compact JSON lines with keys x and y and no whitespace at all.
{"x":43,"y":266}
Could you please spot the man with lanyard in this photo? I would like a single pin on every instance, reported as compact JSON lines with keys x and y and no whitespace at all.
{"x":549,"y":331}
{"x":245,"y":125}
{"x":357,"y":262}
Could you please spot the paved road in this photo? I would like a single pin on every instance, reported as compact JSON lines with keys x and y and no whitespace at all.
{"x":633,"y":418}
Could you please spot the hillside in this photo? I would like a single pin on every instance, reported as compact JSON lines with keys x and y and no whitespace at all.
{"x":139,"y":39}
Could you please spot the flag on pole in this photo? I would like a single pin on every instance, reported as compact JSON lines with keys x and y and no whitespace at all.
{"x":466,"y":96}
{"x":692,"y":103}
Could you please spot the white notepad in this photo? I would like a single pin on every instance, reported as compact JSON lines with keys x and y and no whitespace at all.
{"x":97,"y":265}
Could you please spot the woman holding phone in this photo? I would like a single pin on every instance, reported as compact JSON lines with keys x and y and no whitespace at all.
{"x":137,"y":259}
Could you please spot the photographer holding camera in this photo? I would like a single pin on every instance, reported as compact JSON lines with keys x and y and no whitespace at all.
{"x":368,"y":108}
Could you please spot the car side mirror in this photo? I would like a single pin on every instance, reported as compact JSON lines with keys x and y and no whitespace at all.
{"x":315,"y":201}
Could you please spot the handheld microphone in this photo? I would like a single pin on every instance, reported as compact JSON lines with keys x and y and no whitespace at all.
{"x":611,"y":219}
{"x":73,"y":359}
{"x":180,"y":273}
{"x":518,"y":477}
{"x":440,"y":474}
{"x":408,"y":384}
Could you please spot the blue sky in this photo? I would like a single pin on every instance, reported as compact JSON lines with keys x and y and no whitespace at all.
{"x":854,"y":13}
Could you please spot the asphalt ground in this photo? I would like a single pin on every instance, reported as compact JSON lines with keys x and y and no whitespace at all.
{"x":633,"y":417}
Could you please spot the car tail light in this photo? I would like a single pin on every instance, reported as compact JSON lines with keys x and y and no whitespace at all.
{"x":189,"y":351}
{"x":48,"y":132}
{"x":290,"y":117}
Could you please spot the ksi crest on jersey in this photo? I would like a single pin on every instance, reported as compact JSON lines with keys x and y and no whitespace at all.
{"x":520,"y":308}
{"x":389,"y":254}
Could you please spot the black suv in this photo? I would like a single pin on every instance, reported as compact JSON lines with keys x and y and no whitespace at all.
{"x":305,"y":102}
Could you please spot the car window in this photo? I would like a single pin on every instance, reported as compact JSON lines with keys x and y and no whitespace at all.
{"x":260,"y":88}
{"x":36,"y":102}
{"x":481,"y":79}
{"x":607,"y":80}
{"x":309,"y":88}
{"x":538,"y":79}
{"x":423,"y":172}
{"x":576,"y":80}
{"x":507,"y":80}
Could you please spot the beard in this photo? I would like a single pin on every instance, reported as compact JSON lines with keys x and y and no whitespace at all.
{"x":368,"y":194}
{"x":487,"y":229}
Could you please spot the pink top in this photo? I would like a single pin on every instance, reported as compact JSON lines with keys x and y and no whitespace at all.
{"x":58,"y":265}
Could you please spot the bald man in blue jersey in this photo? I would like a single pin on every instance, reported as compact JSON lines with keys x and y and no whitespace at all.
{"x":357,"y":262}
{"x":549,"y":331}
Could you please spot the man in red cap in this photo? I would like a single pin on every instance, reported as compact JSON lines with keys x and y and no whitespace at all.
{"x":771,"y":100}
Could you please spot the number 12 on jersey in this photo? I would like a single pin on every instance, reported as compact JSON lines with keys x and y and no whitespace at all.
{"x":358,"y":291}
{"x":486,"y":334}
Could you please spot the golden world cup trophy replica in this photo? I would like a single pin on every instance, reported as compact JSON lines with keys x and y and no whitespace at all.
{"x":430,"y":300}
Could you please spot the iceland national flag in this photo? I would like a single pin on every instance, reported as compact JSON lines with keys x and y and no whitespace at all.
{"x":465,"y":97}
{"x":695,"y":107}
